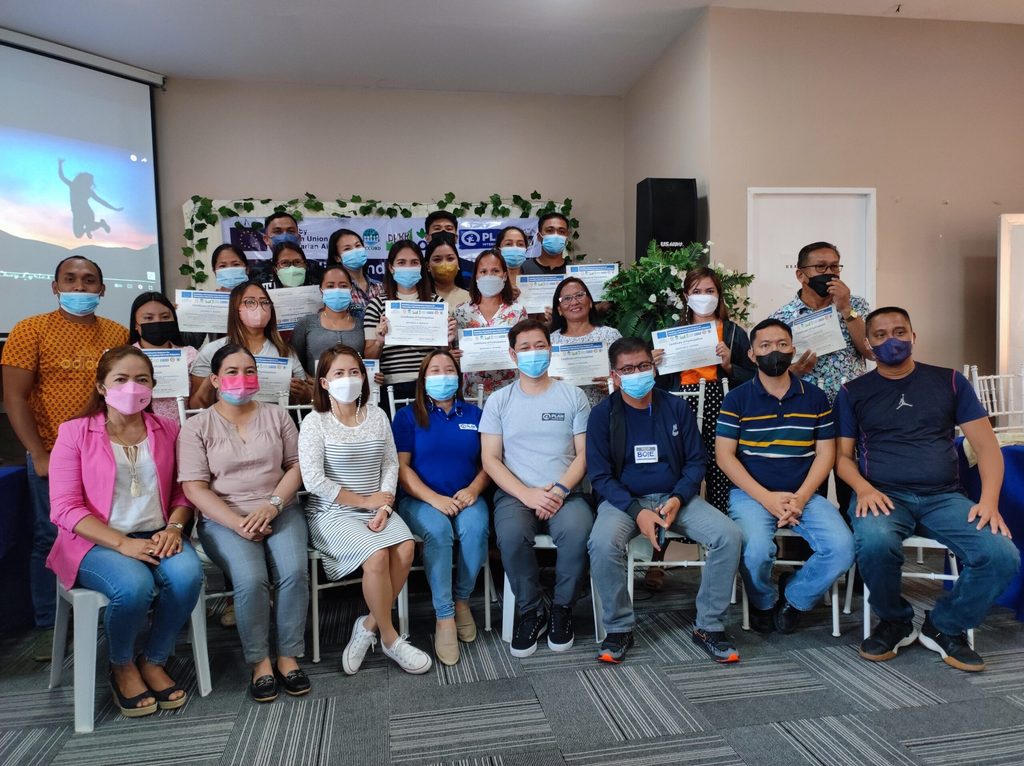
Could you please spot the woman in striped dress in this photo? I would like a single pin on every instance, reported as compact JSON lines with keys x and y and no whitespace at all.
{"x":350,"y":467}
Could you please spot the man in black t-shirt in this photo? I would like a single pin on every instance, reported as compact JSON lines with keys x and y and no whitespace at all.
{"x":900,"y":420}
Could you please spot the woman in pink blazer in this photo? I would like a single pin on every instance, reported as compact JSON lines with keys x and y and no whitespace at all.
{"x":120,"y":513}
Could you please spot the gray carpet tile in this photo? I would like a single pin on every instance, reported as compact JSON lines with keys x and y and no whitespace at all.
{"x":485,"y":659}
{"x":692,"y":750}
{"x":842,"y":741}
{"x":702,"y":681}
{"x":987,"y":747}
{"x":31,"y":746}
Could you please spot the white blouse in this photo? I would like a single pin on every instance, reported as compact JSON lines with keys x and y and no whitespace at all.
{"x":128,"y":513}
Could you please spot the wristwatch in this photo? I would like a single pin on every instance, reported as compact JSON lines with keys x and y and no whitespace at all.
{"x":275,"y":500}
{"x":854,"y":314}
{"x":176,"y":525}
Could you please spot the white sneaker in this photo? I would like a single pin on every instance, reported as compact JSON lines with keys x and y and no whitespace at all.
{"x":361,"y":640}
{"x":408,"y":657}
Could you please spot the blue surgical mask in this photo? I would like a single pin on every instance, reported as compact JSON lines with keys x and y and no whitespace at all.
{"x":514,"y":256}
{"x":79,"y":304}
{"x":230,"y":277}
{"x":533,"y":363}
{"x":893,"y":351}
{"x":441,"y":388}
{"x":337,"y":298}
{"x":354,"y":259}
{"x":408,"y":276}
{"x":637,"y":384}
{"x":287,"y":236}
{"x":553,"y":244}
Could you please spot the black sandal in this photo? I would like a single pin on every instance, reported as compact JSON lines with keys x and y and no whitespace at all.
{"x":263,"y":689}
{"x":296,"y":683}
{"x":163,"y":698}
{"x":129,"y":705}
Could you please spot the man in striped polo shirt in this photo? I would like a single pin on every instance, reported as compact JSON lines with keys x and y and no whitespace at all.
{"x":775,"y":440}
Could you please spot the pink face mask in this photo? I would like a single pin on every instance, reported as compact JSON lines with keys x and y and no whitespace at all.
{"x":238,"y":389}
{"x":129,"y":398}
{"x":255,"y":319}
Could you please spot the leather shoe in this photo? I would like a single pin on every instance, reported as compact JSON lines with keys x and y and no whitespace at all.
{"x":263,"y":689}
{"x":787,"y":616}
{"x":296,"y":682}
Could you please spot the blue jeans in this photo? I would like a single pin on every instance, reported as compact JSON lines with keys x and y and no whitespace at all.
{"x":281,"y":560}
{"x":698,"y":520}
{"x":821,"y":525}
{"x":134,"y":587}
{"x":44,"y":534}
{"x":471,"y":527}
{"x":989,"y":561}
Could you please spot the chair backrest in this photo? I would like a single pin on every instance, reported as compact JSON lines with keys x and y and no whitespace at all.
{"x":698,"y":396}
{"x":1002,"y":396}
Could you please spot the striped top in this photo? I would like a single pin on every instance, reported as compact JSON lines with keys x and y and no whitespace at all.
{"x":398,"y":364}
{"x":776,"y":437}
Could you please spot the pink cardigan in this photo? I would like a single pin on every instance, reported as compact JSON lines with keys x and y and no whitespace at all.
{"x":82,"y":473}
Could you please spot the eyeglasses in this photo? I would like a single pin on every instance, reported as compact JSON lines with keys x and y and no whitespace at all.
{"x":629,"y":369}
{"x":822,"y":268}
{"x":254,"y":303}
{"x":565,"y":300}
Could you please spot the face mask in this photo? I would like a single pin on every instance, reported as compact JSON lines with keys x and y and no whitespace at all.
{"x":292,"y":276}
{"x":159,"y":333}
{"x":533,"y":364}
{"x":289,"y":237}
{"x":354,"y":259}
{"x":79,"y":304}
{"x":774,"y":364}
{"x":638,"y":384}
{"x":129,"y":398}
{"x":553,"y":244}
{"x":255,"y":319}
{"x":514,"y":256}
{"x":893,"y":351}
{"x":407,"y":276}
{"x":337,"y":298}
{"x":819,"y":283}
{"x":702,"y":304}
{"x":441,"y":388}
{"x":489,"y":286}
{"x":445,"y":272}
{"x":448,"y":237}
{"x":230,"y":277}
{"x":345,"y":390}
{"x":238,"y":389}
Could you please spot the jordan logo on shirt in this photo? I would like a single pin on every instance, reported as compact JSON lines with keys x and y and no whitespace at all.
{"x":903,"y":402}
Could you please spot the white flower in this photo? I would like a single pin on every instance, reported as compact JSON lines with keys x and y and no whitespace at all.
{"x":710,"y":243}
{"x":653,"y":298}
{"x":675,"y":317}
{"x":674,"y":271}
{"x":679,"y":304}
{"x":706,"y":250}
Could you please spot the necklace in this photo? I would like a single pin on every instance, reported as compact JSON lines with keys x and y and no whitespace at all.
{"x":131,"y":454}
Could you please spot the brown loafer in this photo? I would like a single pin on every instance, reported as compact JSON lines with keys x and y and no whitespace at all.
{"x":465,"y":625}
{"x":446,"y":643}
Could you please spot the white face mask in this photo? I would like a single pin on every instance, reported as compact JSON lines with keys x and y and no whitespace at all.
{"x":702,"y":304}
{"x":345,"y":390}
{"x":490,"y":285}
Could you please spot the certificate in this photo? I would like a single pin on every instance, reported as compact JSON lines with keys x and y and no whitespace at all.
{"x":819,"y":332}
{"x":594,"y":275}
{"x":485,"y":348}
{"x":579,"y":363}
{"x":202,"y":311}
{"x":416,"y":324}
{"x":372,"y":368}
{"x":687,"y":347}
{"x":537,"y":291}
{"x":170,"y":368}
{"x":293,"y":303}
{"x":275,"y":374}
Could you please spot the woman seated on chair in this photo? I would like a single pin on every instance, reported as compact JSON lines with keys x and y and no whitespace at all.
{"x":441,"y":477}
{"x":350,"y":468}
{"x":238,"y":464}
{"x":120,"y":514}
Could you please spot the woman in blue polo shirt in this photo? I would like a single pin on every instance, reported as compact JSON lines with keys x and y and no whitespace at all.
{"x":441,"y":478}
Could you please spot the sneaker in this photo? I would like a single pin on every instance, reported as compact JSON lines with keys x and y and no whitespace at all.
{"x":717,"y":644}
{"x":42,"y":646}
{"x":762,"y":620}
{"x":360,"y":641}
{"x":409,"y":658}
{"x":614,"y":647}
{"x":886,"y":640}
{"x":530,"y":628}
{"x":786,"y":616}
{"x":560,"y":633}
{"x":953,"y":648}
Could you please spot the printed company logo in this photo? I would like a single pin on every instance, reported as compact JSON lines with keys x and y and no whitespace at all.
{"x":371,"y":237}
{"x":649,"y":454}
{"x":475,"y":239}
{"x":467,"y":426}
{"x":675,"y":429}
{"x":553,"y":416}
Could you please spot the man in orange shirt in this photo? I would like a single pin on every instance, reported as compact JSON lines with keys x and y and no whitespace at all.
{"x":49,"y":370}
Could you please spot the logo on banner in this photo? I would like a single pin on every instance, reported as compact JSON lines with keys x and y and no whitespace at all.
{"x":371,"y":237}
{"x":478,"y":239}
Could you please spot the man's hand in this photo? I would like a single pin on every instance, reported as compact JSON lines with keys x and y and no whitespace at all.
{"x":778,"y":503}
{"x":840,"y":295}
{"x":874,"y":501}
{"x":465,"y":497}
{"x":669,"y":510}
{"x":804,"y":364}
{"x":449,"y":506}
{"x":794,"y":510}
{"x":988,"y":515}
{"x":648,"y":520}
{"x":41,"y":464}
{"x":542,"y":501}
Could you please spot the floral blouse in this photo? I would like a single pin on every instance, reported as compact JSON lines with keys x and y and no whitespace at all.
{"x":468,"y":315}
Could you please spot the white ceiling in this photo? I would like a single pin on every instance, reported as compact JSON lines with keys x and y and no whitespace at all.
{"x":583,"y":47}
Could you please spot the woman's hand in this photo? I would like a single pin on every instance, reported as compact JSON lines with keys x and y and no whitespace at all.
{"x":449,"y":506}
{"x":167,"y":542}
{"x":383,"y":327}
{"x":380,"y":519}
{"x":140,"y":549}
{"x":453,"y":330}
{"x":725,"y":355}
{"x":466,"y":497}
{"x":258,"y":522}
{"x":300,"y":390}
{"x":456,"y":353}
{"x":378,"y":378}
{"x":377,"y":500}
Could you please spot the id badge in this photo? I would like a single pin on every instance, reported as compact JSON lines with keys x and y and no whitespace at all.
{"x":645,"y":453}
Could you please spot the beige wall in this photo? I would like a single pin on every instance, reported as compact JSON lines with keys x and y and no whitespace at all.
{"x":227,"y":140}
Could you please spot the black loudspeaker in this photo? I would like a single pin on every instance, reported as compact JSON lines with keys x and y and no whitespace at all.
{"x":666,"y":211}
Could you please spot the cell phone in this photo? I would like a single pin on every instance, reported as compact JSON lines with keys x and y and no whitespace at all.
{"x":661,"y":537}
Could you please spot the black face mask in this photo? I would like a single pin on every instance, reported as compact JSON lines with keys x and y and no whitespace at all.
{"x":158,"y":333}
{"x":775,"y":363}
{"x":819,"y":283}
{"x":446,"y":237}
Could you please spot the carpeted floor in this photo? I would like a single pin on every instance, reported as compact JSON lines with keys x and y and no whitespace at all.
{"x":804,"y":698}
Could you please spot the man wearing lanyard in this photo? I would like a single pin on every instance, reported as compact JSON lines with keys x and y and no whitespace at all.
{"x":645,"y":459}
{"x":818,"y":270}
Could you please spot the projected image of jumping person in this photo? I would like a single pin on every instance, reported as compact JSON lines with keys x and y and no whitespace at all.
{"x":83,"y":220}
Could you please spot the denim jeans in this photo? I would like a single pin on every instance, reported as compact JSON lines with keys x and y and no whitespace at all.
{"x":988,"y":561}
{"x":821,"y":525}
{"x":516,"y":525}
{"x":280,"y":560}
{"x":471,"y":527}
{"x":44,"y":534}
{"x":134,"y":587}
{"x":698,"y":520}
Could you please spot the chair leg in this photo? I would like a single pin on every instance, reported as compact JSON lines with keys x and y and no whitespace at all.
{"x":60,"y":639}
{"x":599,"y":633}
{"x":314,"y":600}
{"x":835,"y":609}
{"x":200,"y":653}
{"x":508,"y":612}
{"x":403,"y":610}
{"x":867,"y":611}
{"x":630,"y":567}
{"x":86,"y":630}
{"x":920,"y":555}
{"x":851,"y":576}
{"x":746,"y":610}
{"x":488,"y":591}
{"x":732,"y":597}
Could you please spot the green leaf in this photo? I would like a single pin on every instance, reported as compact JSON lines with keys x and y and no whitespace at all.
{"x":257,"y":226}
{"x":449,"y":197}
{"x":187,"y":252}
{"x":248,"y":207}
{"x":535,"y":194}
{"x":380,"y":211}
{"x":480,"y":209}
{"x":504,"y":212}
{"x":238,"y":205}
{"x":495,"y":199}
{"x":292,"y":202}
{"x":297,"y":215}
{"x":188,"y":234}
{"x":195,"y":198}
{"x":310,"y":196}
{"x":341,"y":203}
{"x":442,"y":205}
{"x":201,"y":245}
{"x":227,"y":212}
{"x":200,"y":277}
{"x":365,"y":209}
{"x":356,"y":198}
{"x":240,"y":225}
{"x":406,"y":213}
{"x":265,"y":201}
{"x":421,"y":234}
{"x":184,"y":269}
{"x":391,"y":212}
{"x":574,"y":223}
{"x":517,"y":200}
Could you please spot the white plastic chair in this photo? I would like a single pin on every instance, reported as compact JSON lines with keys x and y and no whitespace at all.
{"x":699,"y":396}
{"x":86,"y":605}
{"x":1002,"y":396}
